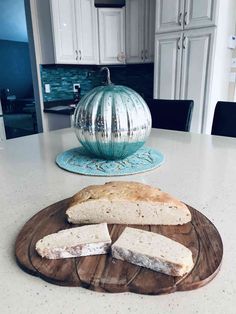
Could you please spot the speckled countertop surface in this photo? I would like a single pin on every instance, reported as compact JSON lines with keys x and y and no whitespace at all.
{"x":199,"y":169}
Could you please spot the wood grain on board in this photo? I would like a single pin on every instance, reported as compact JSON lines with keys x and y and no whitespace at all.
{"x":103,"y":273}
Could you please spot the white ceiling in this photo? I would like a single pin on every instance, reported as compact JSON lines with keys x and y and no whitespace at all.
{"x":12,"y":20}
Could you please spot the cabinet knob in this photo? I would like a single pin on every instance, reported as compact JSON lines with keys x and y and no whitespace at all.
{"x":146,"y":54}
{"x":76,"y":55}
{"x":80,"y":55}
{"x":180,"y":19}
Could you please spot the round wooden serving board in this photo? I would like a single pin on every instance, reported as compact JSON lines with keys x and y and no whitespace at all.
{"x":103,"y":273}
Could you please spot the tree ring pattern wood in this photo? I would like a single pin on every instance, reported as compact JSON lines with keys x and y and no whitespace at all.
{"x":103,"y":273}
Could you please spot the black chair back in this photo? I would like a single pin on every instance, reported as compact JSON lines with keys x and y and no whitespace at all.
{"x":224,"y":120}
{"x":171,"y":114}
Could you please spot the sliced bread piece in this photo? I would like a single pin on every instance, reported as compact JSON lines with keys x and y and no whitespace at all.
{"x":154,"y":251}
{"x":126,"y":203}
{"x":74,"y":242}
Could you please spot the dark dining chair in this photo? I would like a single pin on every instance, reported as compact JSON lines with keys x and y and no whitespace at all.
{"x":171,"y":114}
{"x":224,"y":119}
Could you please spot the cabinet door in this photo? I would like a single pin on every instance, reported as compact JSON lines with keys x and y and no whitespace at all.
{"x":111,"y":35}
{"x":199,"y":13}
{"x":2,"y":130}
{"x":64,"y":31}
{"x":197,"y":52}
{"x":167,"y":66}
{"x":169,"y":15}
{"x":135,"y":31}
{"x":87,"y":31}
{"x":149,"y":37}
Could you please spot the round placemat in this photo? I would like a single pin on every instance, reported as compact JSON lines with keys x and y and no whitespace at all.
{"x":77,"y":160}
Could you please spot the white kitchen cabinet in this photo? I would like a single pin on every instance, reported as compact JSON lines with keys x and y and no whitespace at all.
{"x":140,"y":30}
{"x":64,"y":31}
{"x":195,"y":77}
{"x":199,"y":13}
{"x":167,"y":70}
{"x":182,"y":69}
{"x":176,"y":15}
{"x":111,"y":23}
{"x":169,"y":15}
{"x":74,"y":27}
{"x":87,"y":31}
{"x":149,"y":33}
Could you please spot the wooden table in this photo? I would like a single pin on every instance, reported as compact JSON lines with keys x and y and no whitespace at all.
{"x":199,"y":169}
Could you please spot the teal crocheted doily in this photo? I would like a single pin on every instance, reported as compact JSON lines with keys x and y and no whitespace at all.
{"x":77,"y":160}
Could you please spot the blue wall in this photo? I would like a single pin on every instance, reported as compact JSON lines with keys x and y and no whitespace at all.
{"x":15,"y":70}
{"x":62,"y":77}
{"x":12,"y":20}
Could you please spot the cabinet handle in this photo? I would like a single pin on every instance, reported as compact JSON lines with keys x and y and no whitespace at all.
{"x":146,"y":54}
{"x":121,"y":57}
{"x":142,"y":55}
{"x":185,"y":18}
{"x":180,"y":19}
{"x":184,"y":42}
{"x":178,"y":43}
{"x":76,"y":55}
{"x":80,"y":55}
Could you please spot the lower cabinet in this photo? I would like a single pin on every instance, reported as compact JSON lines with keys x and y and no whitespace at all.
{"x":183,"y":68}
{"x":54,"y":121}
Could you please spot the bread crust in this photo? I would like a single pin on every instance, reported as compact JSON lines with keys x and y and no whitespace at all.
{"x":125,"y":190}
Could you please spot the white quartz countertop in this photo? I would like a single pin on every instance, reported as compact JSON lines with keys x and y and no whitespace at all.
{"x":199,"y":169}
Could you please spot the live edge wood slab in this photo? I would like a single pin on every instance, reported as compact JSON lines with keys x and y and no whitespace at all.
{"x":105,"y":274}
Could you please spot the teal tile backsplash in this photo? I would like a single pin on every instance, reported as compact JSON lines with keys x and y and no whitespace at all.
{"x":62,"y":77}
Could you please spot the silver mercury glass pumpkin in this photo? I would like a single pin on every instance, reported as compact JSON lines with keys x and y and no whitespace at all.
{"x":112,"y":121}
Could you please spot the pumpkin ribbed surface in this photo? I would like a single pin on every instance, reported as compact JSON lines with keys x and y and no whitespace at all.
{"x":112,"y":121}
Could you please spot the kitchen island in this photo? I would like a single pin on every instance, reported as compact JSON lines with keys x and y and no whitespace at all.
{"x":198,"y":169}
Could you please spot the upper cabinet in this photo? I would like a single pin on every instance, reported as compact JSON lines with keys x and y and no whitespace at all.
{"x":87,"y":35}
{"x":176,"y":15}
{"x":199,"y":13}
{"x":64,"y":31}
{"x":74,"y":24}
{"x":169,"y":15}
{"x":149,"y":34}
{"x":134,"y":31}
{"x":140,"y":30}
{"x":111,"y":35}
{"x":79,"y":33}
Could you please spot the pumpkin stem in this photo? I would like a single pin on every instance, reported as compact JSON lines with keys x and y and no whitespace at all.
{"x":108,"y":82}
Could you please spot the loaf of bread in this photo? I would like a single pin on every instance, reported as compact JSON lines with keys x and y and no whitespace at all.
{"x":126,"y":203}
{"x":74,"y":242}
{"x":153,"y":251}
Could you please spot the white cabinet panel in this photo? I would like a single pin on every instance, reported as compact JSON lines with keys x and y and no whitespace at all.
{"x":199,"y":13}
{"x":140,"y":30}
{"x":197,"y":52}
{"x":2,"y":130}
{"x":111,"y":36}
{"x":167,"y":66}
{"x":87,"y":33}
{"x":149,"y":38}
{"x":64,"y":31}
{"x":135,"y":31}
{"x":169,"y":15}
